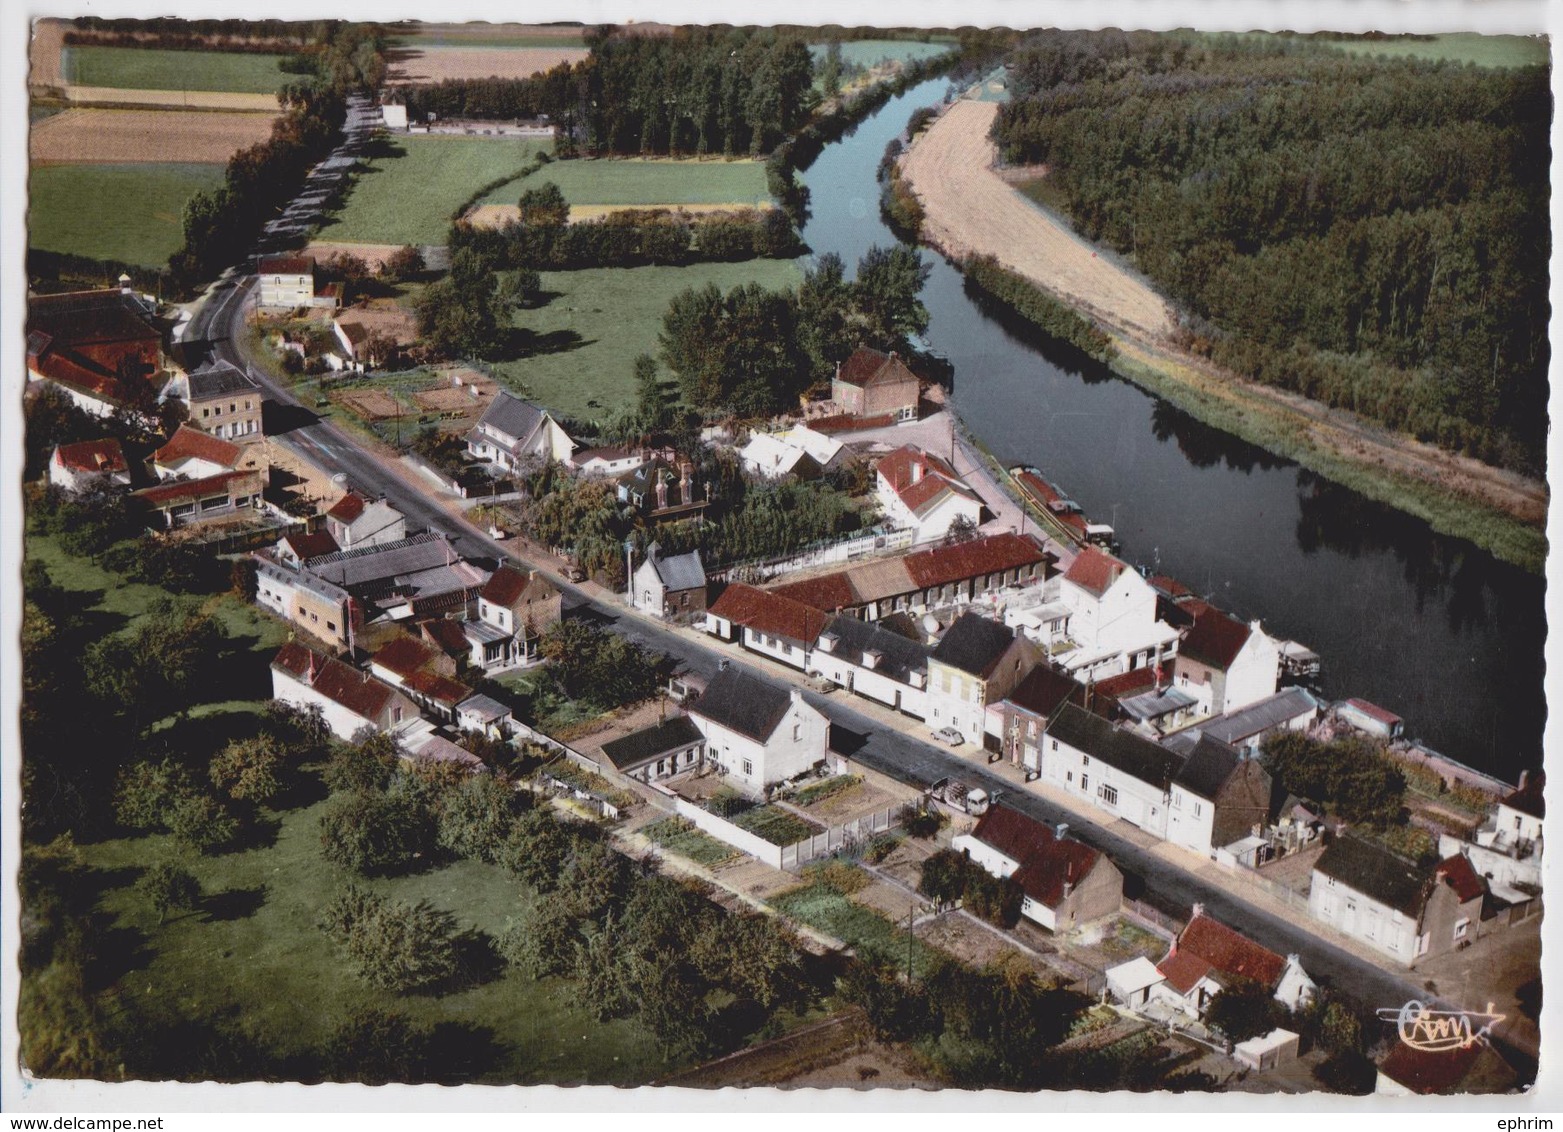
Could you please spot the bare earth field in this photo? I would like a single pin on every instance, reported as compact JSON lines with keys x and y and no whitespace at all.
{"x":189,"y":99}
{"x":371,"y":404}
{"x":122,"y":136}
{"x":970,"y":209}
{"x":44,"y":54}
{"x":498,"y":215}
{"x":373,"y":255}
{"x":434,"y":64}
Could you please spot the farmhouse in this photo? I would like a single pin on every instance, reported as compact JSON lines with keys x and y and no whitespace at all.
{"x":515,"y":609}
{"x":669,"y":586}
{"x":1507,"y":846}
{"x":866,"y":658}
{"x":757,"y":733}
{"x":1224,"y":663}
{"x":1065,"y":883}
{"x":296,"y":548}
{"x":355,"y":521}
{"x":1209,"y":957}
{"x":871,"y":384}
{"x":1219,"y":796}
{"x":101,"y":348}
{"x":193,"y":454}
{"x":1405,"y":910}
{"x":286,"y":281}
{"x":660,"y":751}
{"x":919,"y":490}
{"x":221,"y":399}
{"x":976,"y":663}
{"x":79,"y":466}
{"x":350,"y":700}
{"x":486,"y":716}
{"x":1114,"y":769}
{"x":513,"y":432}
{"x":179,"y":502}
{"x":767,"y":623}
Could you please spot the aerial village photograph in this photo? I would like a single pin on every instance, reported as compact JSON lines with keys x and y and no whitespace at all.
{"x":777,"y":556}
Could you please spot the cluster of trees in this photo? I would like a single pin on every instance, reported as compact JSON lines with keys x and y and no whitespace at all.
{"x":544,"y":240}
{"x":1370,"y":233}
{"x":1351,"y":774}
{"x":752,"y":351}
{"x":396,"y":945}
{"x":990,"y":280}
{"x":767,"y":520}
{"x":199,"y":35}
{"x":697,"y":91}
{"x":468,"y":313}
{"x":949,"y":877}
{"x":589,"y":663}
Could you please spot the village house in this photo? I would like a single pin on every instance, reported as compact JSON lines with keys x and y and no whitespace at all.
{"x":513,"y":433}
{"x":1219,"y":796}
{"x":1117,"y":771}
{"x":219,"y":399}
{"x":439,"y":695}
{"x":181,"y":502}
{"x":351,"y":700}
{"x":1209,"y":957}
{"x":662,"y":493}
{"x":297,"y":547}
{"x":669,"y":585}
{"x":976,"y":663}
{"x":608,"y":460}
{"x":515,"y":609}
{"x":403,"y":655}
{"x":1064,"y":883}
{"x":1507,"y":846}
{"x":826,"y":451}
{"x":1224,"y":663}
{"x":766,"y":623}
{"x":1476,"y":1068}
{"x":1370,"y":719}
{"x":1112,"y":617}
{"x":1025,"y":712}
{"x":192,"y":454}
{"x":771,"y":457}
{"x":286,"y":281}
{"x":919,"y":490}
{"x":354,"y":522}
{"x":757,"y":733}
{"x":95,"y":346}
{"x":319,"y":608}
{"x":416,"y":577}
{"x":936,"y":578}
{"x":872,"y":384}
{"x":485,"y":716}
{"x":87,"y":464}
{"x":872,"y":661}
{"x":1395,"y":906}
{"x":660,"y":751}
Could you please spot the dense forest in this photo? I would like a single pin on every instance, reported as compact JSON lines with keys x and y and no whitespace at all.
{"x":699,"y":91}
{"x":1373,"y":234}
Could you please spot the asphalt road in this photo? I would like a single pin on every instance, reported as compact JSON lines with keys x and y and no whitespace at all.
{"x":221,"y":321}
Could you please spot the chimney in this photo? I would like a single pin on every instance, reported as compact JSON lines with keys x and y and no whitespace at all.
{"x":1069,"y":879}
{"x":797,"y":696}
{"x":1062,"y":831}
{"x":124,"y":284}
{"x":662,"y":493}
{"x":309,"y":677}
{"x":838,"y":371}
{"x":917,"y":471}
{"x":1199,"y":910}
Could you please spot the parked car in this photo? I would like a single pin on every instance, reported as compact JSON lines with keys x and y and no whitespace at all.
{"x":949,"y":735}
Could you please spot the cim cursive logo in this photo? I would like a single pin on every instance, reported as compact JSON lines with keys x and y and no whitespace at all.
{"x":1434,"y":1031}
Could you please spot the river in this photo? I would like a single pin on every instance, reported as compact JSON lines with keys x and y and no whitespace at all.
{"x":1431,"y":627}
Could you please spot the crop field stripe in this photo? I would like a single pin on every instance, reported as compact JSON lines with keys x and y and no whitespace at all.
{"x":150,"y":68}
{"x":665,"y":183}
{"x":132,"y":213}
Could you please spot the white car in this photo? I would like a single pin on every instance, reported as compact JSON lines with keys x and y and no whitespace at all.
{"x":949,"y":735}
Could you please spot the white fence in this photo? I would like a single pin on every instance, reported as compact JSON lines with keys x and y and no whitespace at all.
{"x":863,"y":544}
{"x":839,"y":837}
{"x":793,"y":856}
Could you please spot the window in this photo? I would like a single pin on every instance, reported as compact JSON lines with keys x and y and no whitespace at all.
{"x":1055,"y":744}
{"x":1197,"y":809}
{"x":1461,"y":926}
{"x":206,"y":412}
{"x":797,"y":732}
{"x":1069,"y":776}
{"x":1177,"y":801}
{"x":246,"y":404}
{"x":331,"y":625}
{"x":1085,"y":760}
{"x":1108,"y":794}
{"x":315,"y":619}
{"x":748,"y":767}
{"x":1085,"y":782}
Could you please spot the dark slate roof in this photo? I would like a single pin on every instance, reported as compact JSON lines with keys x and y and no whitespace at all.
{"x":974,"y":644}
{"x":512,"y":416}
{"x":219,"y":379}
{"x":679,"y":572}
{"x":1209,"y":765}
{"x":1376,"y":873}
{"x":1044,"y":689}
{"x":1121,"y":749}
{"x":1530,"y":798}
{"x":1273,"y":711}
{"x":743,"y":703}
{"x":899,"y":657}
{"x":641,"y":747}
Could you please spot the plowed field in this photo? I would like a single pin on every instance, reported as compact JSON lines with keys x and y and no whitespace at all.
{"x":186,"y":99}
{"x":124,"y":136}
{"x":434,"y":64}
{"x":970,"y":210}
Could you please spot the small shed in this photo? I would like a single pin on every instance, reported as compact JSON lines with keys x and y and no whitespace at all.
{"x":1371,"y":718}
{"x":1276,"y":1048}
{"x":1131,"y":983}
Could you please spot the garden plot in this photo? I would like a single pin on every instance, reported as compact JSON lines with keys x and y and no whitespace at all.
{"x":370,"y":404}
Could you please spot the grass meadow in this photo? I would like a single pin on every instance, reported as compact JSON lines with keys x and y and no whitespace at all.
{"x":1458,"y":47}
{"x":406,"y":194}
{"x":132,"y":213}
{"x":148,"y":68}
{"x":636,"y":182}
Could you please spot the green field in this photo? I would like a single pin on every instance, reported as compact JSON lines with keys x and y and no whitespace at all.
{"x":597,"y":322}
{"x":632,"y":182}
{"x":132,"y":213}
{"x":1459,"y":47}
{"x":407,"y":194}
{"x":871,"y":52}
{"x":677,"y":835}
{"x":147,"y":68}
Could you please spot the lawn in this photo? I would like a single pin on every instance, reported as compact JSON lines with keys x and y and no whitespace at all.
{"x":871,"y":52}
{"x":822,"y":907}
{"x":597,"y":321}
{"x":677,"y":835}
{"x":263,"y":961}
{"x":147,"y":68}
{"x":407,"y":194}
{"x":636,"y":182}
{"x":132,"y":213}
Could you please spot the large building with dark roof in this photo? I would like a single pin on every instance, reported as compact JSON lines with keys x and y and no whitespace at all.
{"x":1226,"y":664}
{"x":1118,"y":771}
{"x":1220,"y":795}
{"x":975,"y":664}
{"x":867,"y":658}
{"x":765,"y":622}
{"x":221,"y":399}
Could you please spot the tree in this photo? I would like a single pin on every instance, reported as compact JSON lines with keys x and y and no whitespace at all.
{"x":169,"y":888}
{"x":405,"y":263}
{"x":202,"y":823}
{"x":543,"y":945}
{"x":147,"y":791}
{"x":250,"y":770}
{"x":397,"y":946}
{"x":885,"y":292}
{"x":377,"y":834}
{"x":545,"y":206}
{"x":365,"y":767}
{"x":962,"y":529}
{"x":652,"y":409}
{"x":1244,"y":1010}
{"x":943,"y":877}
{"x":476,"y":816}
{"x":379,"y":1047}
{"x":537,"y":849}
{"x":830,"y":70}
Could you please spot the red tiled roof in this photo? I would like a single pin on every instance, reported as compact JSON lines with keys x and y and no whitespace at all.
{"x":870,"y":367}
{"x":1095,"y":570}
{"x":354,"y":332}
{"x":994,"y":554}
{"x":189,"y":443}
{"x":312,"y":545}
{"x":508,"y":585}
{"x":1183,"y":970}
{"x":241,"y":483}
{"x":1373,"y":711}
{"x":1221,"y":949}
{"x":357,"y":691}
{"x":286,"y":265}
{"x":66,"y":371}
{"x":404,"y":655}
{"x":1430,"y":1071}
{"x":440,"y":688}
{"x":828,"y":591}
{"x":95,"y":456}
{"x":1215,"y":638}
{"x":1126,"y":683}
{"x":348,"y":508}
{"x":769,"y":612}
{"x":1456,"y":871}
{"x":1044,"y":689}
{"x":1169,"y":586}
{"x":1047,"y":863}
{"x":446,"y":635}
{"x":908,"y":470}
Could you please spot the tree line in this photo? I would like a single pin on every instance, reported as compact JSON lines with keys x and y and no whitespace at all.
{"x":1373,"y":234}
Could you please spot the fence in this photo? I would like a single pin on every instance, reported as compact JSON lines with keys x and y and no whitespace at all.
{"x":839,"y":837}
{"x":1288,"y":896}
{"x":861,"y":544}
{"x":1152,"y":917}
{"x":239,"y":542}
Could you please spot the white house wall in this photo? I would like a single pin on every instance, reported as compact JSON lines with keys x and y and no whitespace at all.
{"x":1191,"y":821}
{"x":868,"y":683}
{"x":344,"y":724}
{"x":1349,"y":911}
{"x":777,"y":648}
{"x":1140,"y":803}
{"x":1254,"y":672}
{"x":799,"y":741}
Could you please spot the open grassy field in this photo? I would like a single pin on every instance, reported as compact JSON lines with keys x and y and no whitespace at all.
{"x":123,"y":212}
{"x":1458,"y":47}
{"x":598,"y":320}
{"x":147,"y":68}
{"x":636,"y":182}
{"x":408,"y":192}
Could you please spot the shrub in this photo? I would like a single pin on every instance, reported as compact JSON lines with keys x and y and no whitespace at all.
{"x":396,"y":946}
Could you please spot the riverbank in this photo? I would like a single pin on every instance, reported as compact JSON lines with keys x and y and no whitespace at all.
{"x":970,"y":210}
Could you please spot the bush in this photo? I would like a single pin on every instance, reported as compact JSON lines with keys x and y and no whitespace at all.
{"x":921,"y":822}
{"x":169,"y":888}
{"x":377,"y":834}
{"x":398,"y":946}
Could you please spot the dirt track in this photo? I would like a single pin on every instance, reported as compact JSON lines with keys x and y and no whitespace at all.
{"x":970,"y":209}
{"x":433,"y":64}
{"x":100,"y":136}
